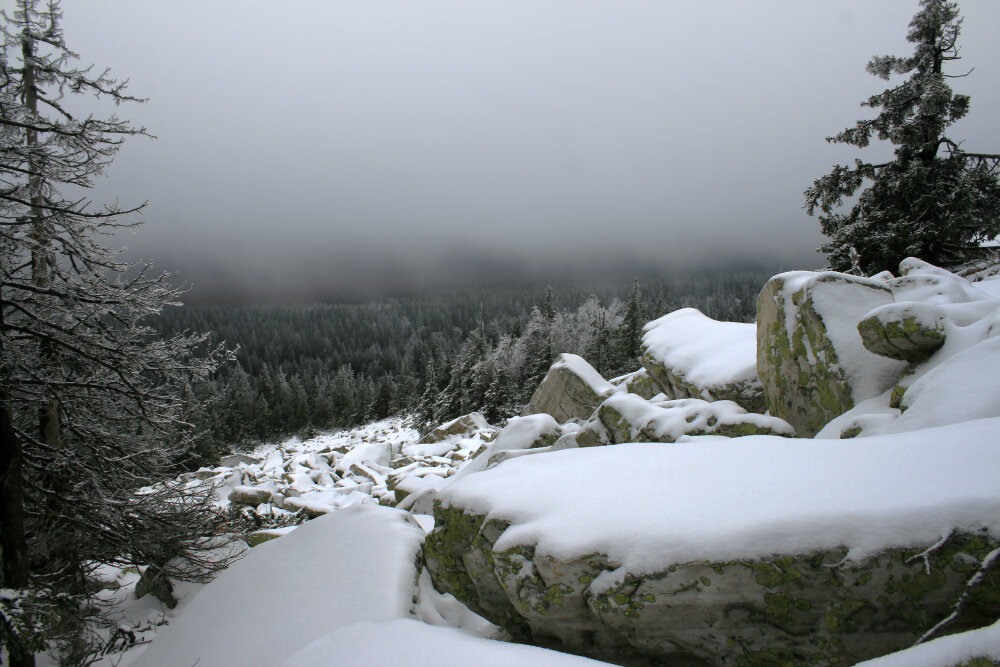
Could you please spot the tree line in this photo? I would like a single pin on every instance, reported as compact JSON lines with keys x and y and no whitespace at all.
{"x":437,"y":354}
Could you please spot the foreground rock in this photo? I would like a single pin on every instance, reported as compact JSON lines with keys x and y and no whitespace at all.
{"x":690,"y":355}
{"x":629,"y":418}
{"x":793,"y":554}
{"x":354,"y":565}
{"x":570,"y":390}
{"x":810,"y":358}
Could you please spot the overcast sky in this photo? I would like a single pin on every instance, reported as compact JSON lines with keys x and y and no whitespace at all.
{"x":338,"y":143}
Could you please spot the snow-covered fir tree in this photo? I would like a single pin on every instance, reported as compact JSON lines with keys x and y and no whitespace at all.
{"x":92,"y":401}
{"x":934,"y":200}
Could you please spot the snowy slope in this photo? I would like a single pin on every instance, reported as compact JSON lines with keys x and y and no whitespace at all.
{"x":349,"y":566}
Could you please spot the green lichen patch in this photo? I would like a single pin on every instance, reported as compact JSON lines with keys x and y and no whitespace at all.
{"x":772,"y":573}
{"x":836,"y":617}
{"x":899,"y":335}
{"x":444,"y":548}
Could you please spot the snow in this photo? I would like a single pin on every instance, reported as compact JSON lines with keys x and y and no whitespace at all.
{"x":957,"y":383}
{"x":947,"y":651}
{"x":966,"y":387}
{"x":648,"y":506}
{"x":409,"y":643}
{"x":379,"y":453}
{"x":708,"y":353}
{"x":579,"y":367}
{"x":353,"y":565}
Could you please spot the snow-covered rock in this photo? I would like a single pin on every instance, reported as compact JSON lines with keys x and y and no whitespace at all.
{"x":909,"y":331}
{"x":957,"y":381}
{"x":521,"y":433}
{"x":691,"y":355}
{"x":810,"y":358}
{"x":250,"y":495}
{"x":720,"y":549}
{"x":463,"y":426}
{"x":570,"y":390}
{"x":357,"y":564}
{"x":629,"y":418}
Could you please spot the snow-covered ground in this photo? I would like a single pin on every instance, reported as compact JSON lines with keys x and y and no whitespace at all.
{"x":347,"y":586}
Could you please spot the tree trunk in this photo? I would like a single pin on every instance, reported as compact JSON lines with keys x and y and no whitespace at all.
{"x":41,"y":256}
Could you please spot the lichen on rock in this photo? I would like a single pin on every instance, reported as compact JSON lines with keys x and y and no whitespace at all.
{"x":906,"y":331}
{"x":810,"y":358}
{"x":815,"y":608}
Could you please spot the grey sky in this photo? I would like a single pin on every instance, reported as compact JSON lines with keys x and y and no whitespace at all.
{"x":353,"y":141}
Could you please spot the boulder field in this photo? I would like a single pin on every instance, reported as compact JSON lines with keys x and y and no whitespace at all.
{"x":708,"y":509}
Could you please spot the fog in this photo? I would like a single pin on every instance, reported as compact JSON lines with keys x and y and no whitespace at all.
{"x":319,"y":148}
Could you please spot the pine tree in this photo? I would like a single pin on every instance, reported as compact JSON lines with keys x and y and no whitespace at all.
{"x":549,"y":306}
{"x":425,"y":406}
{"x":343,"y":396}
{"x":933,"y":200}
{"x":629,"y":334}
{"x":91,"y":400}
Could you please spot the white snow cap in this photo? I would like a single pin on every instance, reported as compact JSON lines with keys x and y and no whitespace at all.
{"x":707,"y":352}
{"x":583,"y":370}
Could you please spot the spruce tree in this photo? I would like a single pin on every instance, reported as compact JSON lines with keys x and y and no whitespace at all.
{"x":630,"y":331}
{"x":934,"y":200}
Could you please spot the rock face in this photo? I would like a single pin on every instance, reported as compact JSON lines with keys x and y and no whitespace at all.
{"x":810,"y":358}
{"x":691,"y":355}
{"x":629,"y":418}
{"x":807,"y":608}
{"x":642,"y":384}
{"x":906,"y":331}
{"x":570,"y":390}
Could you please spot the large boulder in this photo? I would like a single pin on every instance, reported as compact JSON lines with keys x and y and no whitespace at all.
{"x":629,"y":418}
{"x":747,"y":551}
{"x":810,"y":359}
{"x":691,"y":355}
{"x":570,"y":390}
